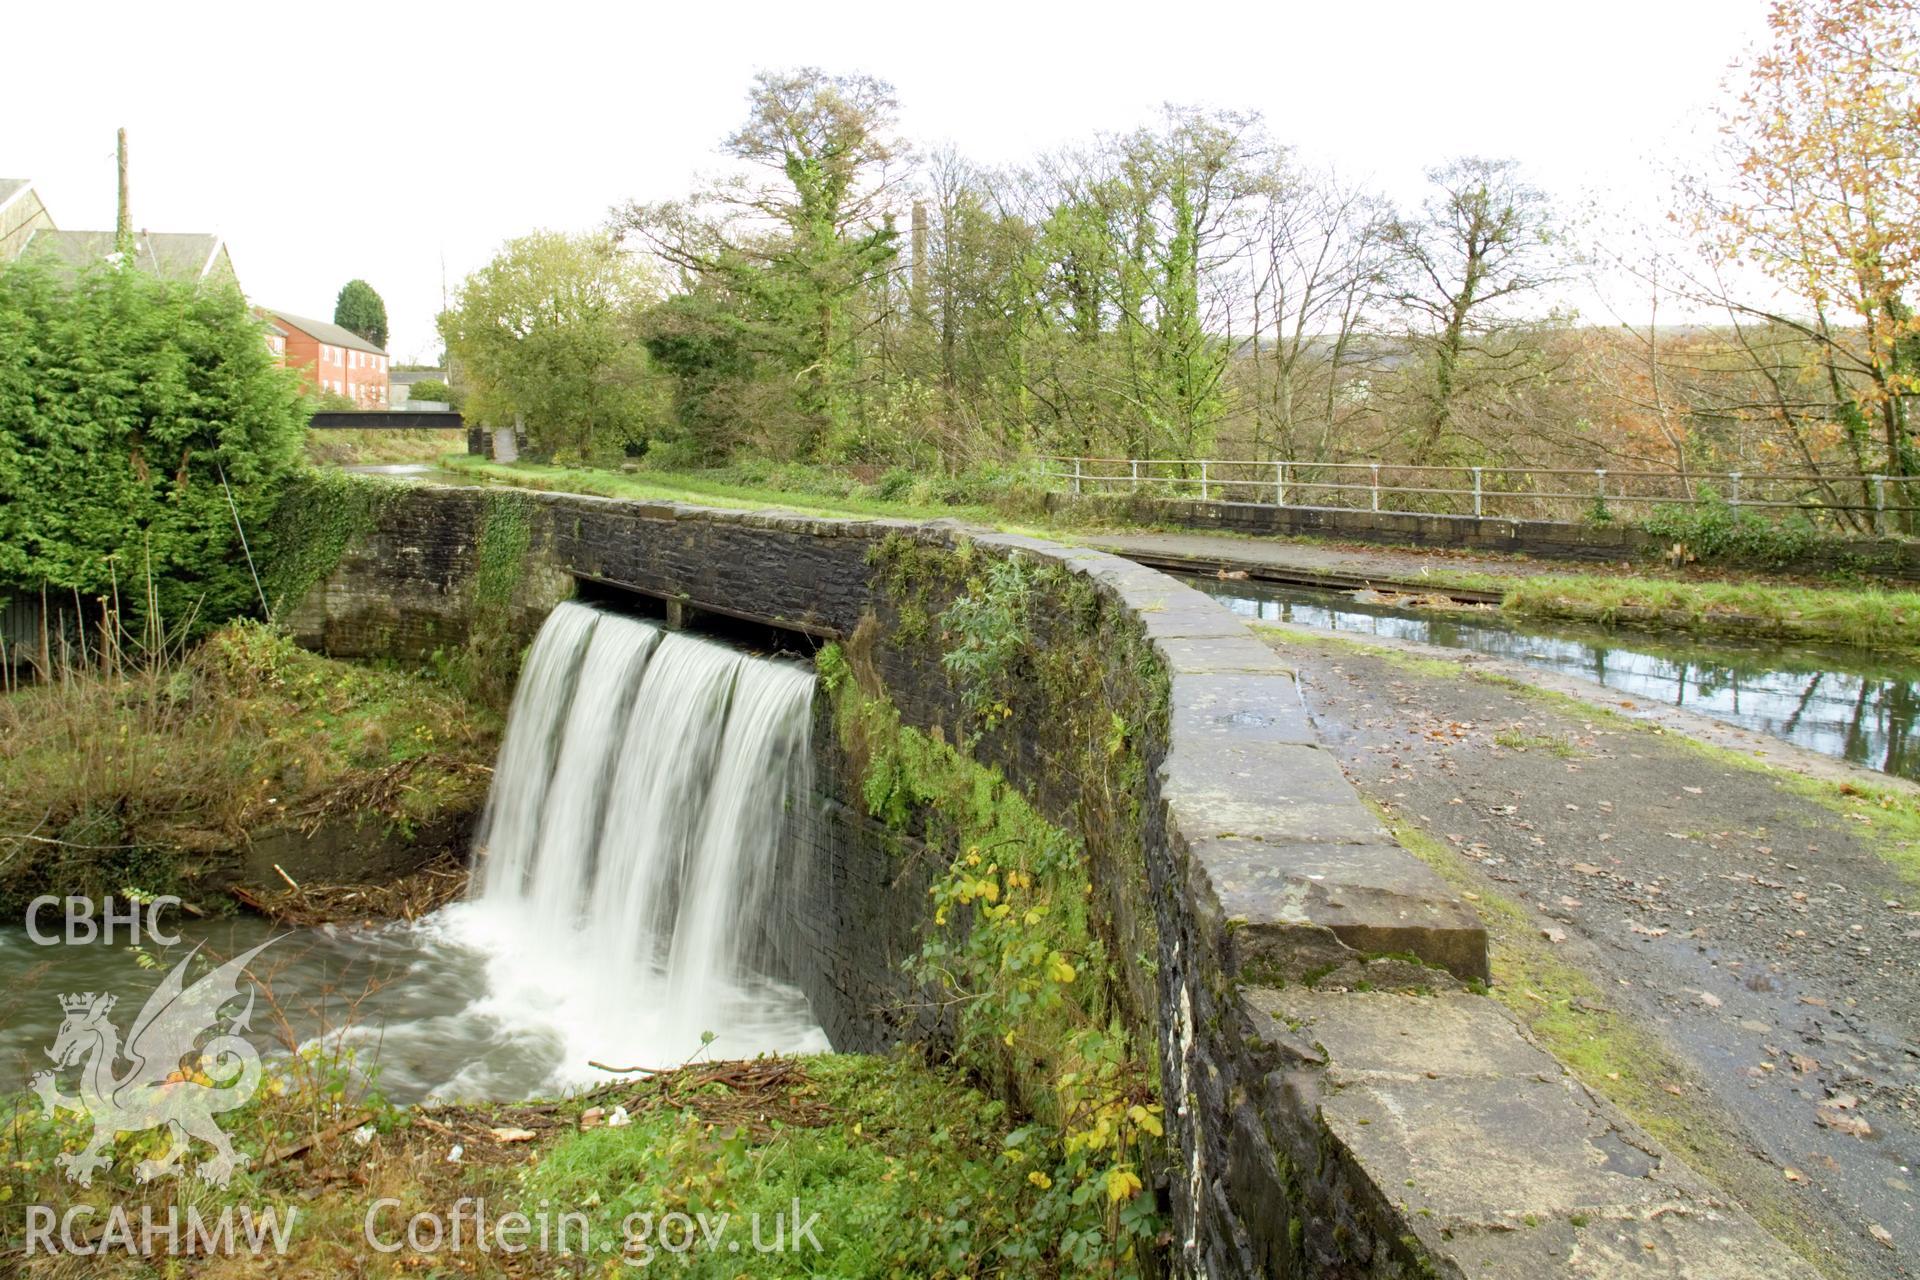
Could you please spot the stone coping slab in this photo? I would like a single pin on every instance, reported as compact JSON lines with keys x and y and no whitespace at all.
{"x":1496,"y":1157}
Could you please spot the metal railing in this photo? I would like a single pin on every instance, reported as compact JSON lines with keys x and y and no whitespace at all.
{"x":1857,"y":503}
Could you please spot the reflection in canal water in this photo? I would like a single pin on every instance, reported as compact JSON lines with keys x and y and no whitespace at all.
{"x":1843,"y":702}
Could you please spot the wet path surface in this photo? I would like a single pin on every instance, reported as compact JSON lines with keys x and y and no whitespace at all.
{"x":1752,"y":929}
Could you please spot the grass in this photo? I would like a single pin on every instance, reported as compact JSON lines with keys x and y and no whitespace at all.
{"x":351,"y":448}
{"x":1644,"y":596}
{"x":907,"y":1168}
{"x":1515,"y":740}
{"x":116,"y":777}
{"x":1887,"y":621}
{"x":811,"y":491}
{"x":898,"y":1169}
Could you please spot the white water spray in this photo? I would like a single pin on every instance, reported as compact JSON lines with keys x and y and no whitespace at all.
{"x":628,"y":850}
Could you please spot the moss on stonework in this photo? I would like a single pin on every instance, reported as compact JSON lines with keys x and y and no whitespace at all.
{"x":317,"y":519}
{"x":1033,"y":929}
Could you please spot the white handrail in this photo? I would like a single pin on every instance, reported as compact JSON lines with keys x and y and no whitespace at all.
{"x":1499,"y":491}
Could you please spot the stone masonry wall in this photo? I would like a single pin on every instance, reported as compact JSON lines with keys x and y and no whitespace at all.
{"x":1545,"y":539}
{"x":1341,"y":1104}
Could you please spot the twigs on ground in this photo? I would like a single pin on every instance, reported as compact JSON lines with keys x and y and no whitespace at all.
{"x":408,"y":898}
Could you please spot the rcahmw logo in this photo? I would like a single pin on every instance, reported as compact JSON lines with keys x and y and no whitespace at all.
{"x":174,"y":1233}
{"x":156,"y":1088}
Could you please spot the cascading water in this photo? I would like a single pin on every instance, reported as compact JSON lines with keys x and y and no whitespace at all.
{"x":627,"y":857}
{"x":624,"y":898}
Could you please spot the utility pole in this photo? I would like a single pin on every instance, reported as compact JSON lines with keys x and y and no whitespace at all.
{"x":123,"y":222}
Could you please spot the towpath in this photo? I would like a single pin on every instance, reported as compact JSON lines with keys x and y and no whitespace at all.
{"x":1724,"y":953}
{"x":1316,"y":563}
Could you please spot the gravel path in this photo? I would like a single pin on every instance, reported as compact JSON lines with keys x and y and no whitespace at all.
{"x":1750,"y":928}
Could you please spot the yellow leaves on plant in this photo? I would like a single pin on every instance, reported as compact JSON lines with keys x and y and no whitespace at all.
{"x":1122,"y":1185}
{"x":1147,"y":1119}
{"x":1007,"y":1039}
{"x":1059,"y":970}
{"x":1039,"y":1179}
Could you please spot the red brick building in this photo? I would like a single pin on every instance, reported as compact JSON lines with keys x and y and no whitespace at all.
{"x":334,"y":359}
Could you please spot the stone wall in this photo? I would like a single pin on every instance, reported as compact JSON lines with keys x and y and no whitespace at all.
{"x":1340,"y":1103}
{"x":1547,"y":539}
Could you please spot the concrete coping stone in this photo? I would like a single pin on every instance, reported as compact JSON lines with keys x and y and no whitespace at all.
{"x":1496,"y":1157}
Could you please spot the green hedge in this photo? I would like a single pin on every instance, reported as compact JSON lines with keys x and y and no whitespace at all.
{"x":124,"y":400}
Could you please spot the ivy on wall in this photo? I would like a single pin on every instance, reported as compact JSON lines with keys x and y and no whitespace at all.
{"x":317,"y":518}
{"x":1020,"y":945}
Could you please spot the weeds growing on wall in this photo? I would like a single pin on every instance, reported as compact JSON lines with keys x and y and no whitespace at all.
{"x":1039,"y":943}
{"x":1011,"y":955}
{"x":485,"y":668}
{"x":318,"y":517}
{"x":1716,"y":530}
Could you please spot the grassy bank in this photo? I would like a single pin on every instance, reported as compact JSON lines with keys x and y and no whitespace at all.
{"x":897,"y":1169}
{"x":117,"y":778}
{"x":1885,"y":621}
{"x":353,"y":448}
{"x":810,"y":490}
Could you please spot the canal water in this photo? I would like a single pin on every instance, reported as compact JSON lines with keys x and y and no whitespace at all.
{"x":1843,"y":702}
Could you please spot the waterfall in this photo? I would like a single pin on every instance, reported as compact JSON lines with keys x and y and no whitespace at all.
{"x":627,"y":854}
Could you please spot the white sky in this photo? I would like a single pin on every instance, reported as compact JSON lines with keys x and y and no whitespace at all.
{"x":370,"y":140}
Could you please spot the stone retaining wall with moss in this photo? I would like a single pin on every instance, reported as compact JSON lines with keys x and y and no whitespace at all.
{"x":1254,"y":966}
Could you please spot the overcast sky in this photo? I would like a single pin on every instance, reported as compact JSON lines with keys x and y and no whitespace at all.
{"x":337,"y":141}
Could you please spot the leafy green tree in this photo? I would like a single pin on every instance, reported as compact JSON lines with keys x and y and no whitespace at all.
{"x":1476,"y":255}
{"x":124,"y":400}
{"x":360,"y":310}
{"x":546,"y":333}
{"x":432,"y":391}
{"x":794,"y":247}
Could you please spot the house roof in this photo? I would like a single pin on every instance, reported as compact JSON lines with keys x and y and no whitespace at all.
{"x":327,"y":332}
{"x":173,"y":255}
{"x":11,"y":187}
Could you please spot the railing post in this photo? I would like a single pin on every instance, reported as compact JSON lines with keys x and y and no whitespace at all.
{"x":1733,"y":486}
{"x":1600,"y":488}
{"x":1133,"y":464}
{"x":1203,"y":481}
{"x":1879,"y":504}
{"x":1076,"y":477}
{"x":1477,"y":509}
{"x":1376,"y":485}
{"x":1280,"y":484}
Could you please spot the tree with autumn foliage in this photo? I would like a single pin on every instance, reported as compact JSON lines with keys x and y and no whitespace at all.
{"x":1825,"y":201}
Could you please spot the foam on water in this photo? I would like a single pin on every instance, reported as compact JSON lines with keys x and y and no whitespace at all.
{"x":624,"y":895}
